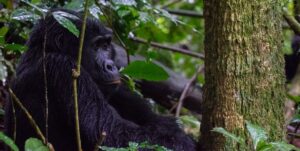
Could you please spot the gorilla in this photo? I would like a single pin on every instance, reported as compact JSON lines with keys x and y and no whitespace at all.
{"x":292,"y":60}
{"x":98,"y":76}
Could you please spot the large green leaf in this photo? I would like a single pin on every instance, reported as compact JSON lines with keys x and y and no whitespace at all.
{"x":283,"y":146}
{"x":62,"y":19}
{"x":229,"y":135}
{"x":257,"y":134}
{"x":9,"y":142}
{"x":34,"y":144}
{"x":145,"y":70}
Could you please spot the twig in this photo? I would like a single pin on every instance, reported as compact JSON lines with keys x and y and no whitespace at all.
{"x":295,"y":26}
{"x":170,"y":3}
{"x":15,"y":121}
{"x":76,"y":74}
{"x":45,"y":84}
{"x":186,"y":90}
{"x":28,"y":115}
{"x":100,"y":141}
{"x":187,"y":13}
{"x":174,"y":49}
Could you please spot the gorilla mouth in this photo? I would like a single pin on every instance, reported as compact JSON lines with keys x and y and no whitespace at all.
{"x":113,"y":82}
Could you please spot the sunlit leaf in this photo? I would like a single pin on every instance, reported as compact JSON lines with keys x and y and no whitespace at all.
{"x":257,"y":134}
{"x":62,"y":19}
{"x":24,"y":15}
{"x":95,"y":11}
{"x":145,"y":70}
{"x":124,"y":2}
{"x":228,"y":134}
{"x":8,"y":141}
{"x":283,"y":146}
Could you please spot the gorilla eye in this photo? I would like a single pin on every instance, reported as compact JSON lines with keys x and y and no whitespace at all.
{"x":105,"y":46}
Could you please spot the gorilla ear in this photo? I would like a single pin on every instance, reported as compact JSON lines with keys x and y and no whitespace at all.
{"x":58,"y":41}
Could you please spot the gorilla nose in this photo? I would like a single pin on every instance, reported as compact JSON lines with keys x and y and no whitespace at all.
{"x":109,"y":66}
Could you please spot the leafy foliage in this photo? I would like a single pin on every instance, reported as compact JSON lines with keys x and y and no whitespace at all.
{"x":132,"y":146}
{"x":145,"y":70}
{"x":9,"y":142}
{"x":259,"y":138}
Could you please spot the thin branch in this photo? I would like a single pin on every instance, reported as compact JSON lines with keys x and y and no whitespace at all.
{"x":174,"y":49}
{"x":100,"y":141}
{"x":28,"y":115}
{"x":187,"y":13}
{"x":170,"y":3}
{"x":15,"y":120}
{"x":291,"y":21}
{"x":76,"y":74}
{"x":45,"y":84}
{"x":186,"y":90}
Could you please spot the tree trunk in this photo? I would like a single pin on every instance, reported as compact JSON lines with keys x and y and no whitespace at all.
{"x":244,"y":70}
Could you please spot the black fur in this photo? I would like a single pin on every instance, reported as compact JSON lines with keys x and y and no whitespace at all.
{"x":95,"y":113}
{"x":292,"y":60}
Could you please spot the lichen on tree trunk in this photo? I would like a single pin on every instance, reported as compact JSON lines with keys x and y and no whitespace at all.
{"x":244,"y":70}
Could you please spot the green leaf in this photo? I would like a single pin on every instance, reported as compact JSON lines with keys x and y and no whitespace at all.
{"x":95,"y":11}
{"x":8,"y":141}
{"x":62,"y":19}
{"x":257,"y":134}
{"x":283,"y":146}
{"x":34,"y":144}
{"x":124,"y":2}
{"x":228,"y":134}
{"x":15,"y":47}
{"x":2,"y":40}
{"x":190,"y":120}
{"x":296,"y":99}
{"x":24,"y":15}
{"x":145,"y":70}
{"x":3,"y":31}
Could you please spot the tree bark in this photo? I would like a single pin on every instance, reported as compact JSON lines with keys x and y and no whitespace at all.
{"x":244,"y":70}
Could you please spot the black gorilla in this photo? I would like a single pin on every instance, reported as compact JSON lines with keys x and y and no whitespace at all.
{"x":95,"y":113}
{"x":292,"y":60}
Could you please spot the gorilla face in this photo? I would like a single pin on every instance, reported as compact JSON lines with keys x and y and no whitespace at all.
{"x":98,"y":63}
{"x":97,"y":49}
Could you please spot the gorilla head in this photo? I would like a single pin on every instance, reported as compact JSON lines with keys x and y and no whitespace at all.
{"x":97,"y":47}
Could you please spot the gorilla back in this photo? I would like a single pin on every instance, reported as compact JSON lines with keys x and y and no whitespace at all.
{"x":95,"y":114}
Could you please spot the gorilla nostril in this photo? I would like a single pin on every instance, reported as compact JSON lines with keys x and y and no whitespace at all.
{"x":109,"y":66}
